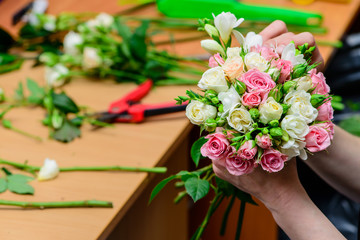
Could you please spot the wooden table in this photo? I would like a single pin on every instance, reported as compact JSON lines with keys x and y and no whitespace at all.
{"x":157,"y":142}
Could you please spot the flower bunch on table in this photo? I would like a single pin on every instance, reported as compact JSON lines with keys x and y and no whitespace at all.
{"x":259,"y":109}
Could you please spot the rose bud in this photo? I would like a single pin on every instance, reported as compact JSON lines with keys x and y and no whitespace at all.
{"x":276,"y":93}
{"x":240,"y":87}
{"x":285,"y":108}
{"x":276,"y":132}
{"x":254,"y":113}
{"x":317,"y":100}
{"x":210,"y":94}
{"x":288,"y":86}
{"x":274,"y":123}
{"x":212,"y":31}
{"x":210,"y":125}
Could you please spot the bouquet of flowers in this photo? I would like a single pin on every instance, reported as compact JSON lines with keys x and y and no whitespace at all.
{"x":260,"y":109}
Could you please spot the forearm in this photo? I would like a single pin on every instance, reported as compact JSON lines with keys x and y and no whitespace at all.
{"x":339,"y":166}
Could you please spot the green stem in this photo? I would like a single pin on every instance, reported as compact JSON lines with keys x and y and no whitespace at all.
{"x":69,"y":204}
{"x":172,"y":81}
{"x":335,"y":44}
{"x":26,"y":134}
{"x":226,"y":215}
{"x":240,"y":220}
{"x":180,"y":196}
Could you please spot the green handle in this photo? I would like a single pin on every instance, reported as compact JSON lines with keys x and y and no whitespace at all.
{"x":205,"y":8}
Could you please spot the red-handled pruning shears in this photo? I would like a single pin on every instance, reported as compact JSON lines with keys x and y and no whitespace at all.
{"x":128,"y":108}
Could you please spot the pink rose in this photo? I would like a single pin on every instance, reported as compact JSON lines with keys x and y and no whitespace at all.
{"x":319,"y":82}
{"x":216,"y":148}
{"x":317,"y":139}
{"x":329,"y":127}
{"x":272,"y":160}
{"x":325,"y":112}
{"x":285,"y":68}
{"x":264,"y":141}
{"x":236,"y":165}
{"x":248,"y":150}
{"x":266,"y":52}
{"x":216,"y":60}
{"x":251,"y":99}
{"x":256,"y":80}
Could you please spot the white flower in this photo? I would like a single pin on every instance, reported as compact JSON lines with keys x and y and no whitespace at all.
{"x":229,"y":99}
{"x":289,"y":54}
{"x":49,"y":170}
{"x":198,"y":112}
{"x":38,"y":7}
{"x":251,"y":40}
{"x":297,"y":96}
{"x":274,"y":73}
{"x":225,"y":22}
{"x":240,"y":119}
{"x":212,"y":47}
{"x":306,"y":110}
{"x":214,"y":78}
{"x":294,"y":148}
{"x":55,"y":76}
{"x":71,"y":42}
{"x":232,"y":52}
{"x":91,"y":58}
{"x":270,"y":110}
{"x":104,"y":20}
{"x":50,"y":23}
{"x":255,"y":60}
{"x":295,"y":126}
{"x":304,"y":83}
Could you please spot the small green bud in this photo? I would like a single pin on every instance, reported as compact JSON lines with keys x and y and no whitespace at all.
{"x":2,"y":95}
{"x":49,"y":58}
{"x":210,"y":127}
{"x":255,"y":125}
{"x":285,"y":136}
{"x":210,"y":94}
{"x":265,"y":131}
{"x":48,"y":104}
{"x":288,"y":86}
{"x":46,"y":121}
{"x":57,"y":119}
{"x":274,"y":123}
{"x":276,"y":93}
{"x":254,"y":113}
{"x":211,"y":30}
{"x":221,"y":122}
{"x":317,"y":100}
{"x":285,"y":108}
{"x":221,"y":108}
{"x":240,"y":87}
{"x":299,"y":70}
{"x":215,"y":100}
{"x":210,"y":120}
{"x":6,"y":123}
{"x":276,"y":132}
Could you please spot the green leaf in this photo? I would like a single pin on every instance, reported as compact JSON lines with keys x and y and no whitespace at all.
{"x":225,"y":187}
{"x":137,"y":42}
{"x":351,"y":125}
{"x":29,"y":31}
{"x":160,"y":186}
{"x":3,"y":185}
{"x":18,"y":183}
{"x":11,"y":66}
{"x":37,"y":93}
{"x":6,"y":40}
{"x":243,"y":196}
{"x":64,"y":103}
{"x":6,"y":58}
{"x":67,"y":132}
{"x":195,"y":150}
{"x":6,"y":123}
{"x":197,"y":188}
{"x":19,"y":92}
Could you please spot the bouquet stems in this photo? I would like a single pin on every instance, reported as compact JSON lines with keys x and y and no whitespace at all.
{"x":68,"y":204}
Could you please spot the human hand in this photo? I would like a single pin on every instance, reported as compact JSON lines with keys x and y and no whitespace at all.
{"x":276,"y":34}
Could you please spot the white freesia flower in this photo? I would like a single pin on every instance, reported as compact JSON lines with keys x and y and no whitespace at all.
{"x":297,"y":96}
{"x":229,"y":99}
{"x":212,"y":47}
{"x":255,"y":60}
{"x":104,"y":19}
{"x":71,"y":42}
{"x":289,"y":54}
{"x":294,"y":148}
{"x":49,"y":170}
{"x":295,"y":126}
{"x":303,"y":83}
{"x":225,"y":22}
{"x":198,"y":112}
{"x":214,"y":78}
{"x":251,"y":40}
{"x":55,"y":76}
{"x":306,"y":110}
{"x":240,"y":119}
{"x":91,"y":58}
{"x":38,"y":7}
{"x":233,"y":52}
{"x":270,"y":110}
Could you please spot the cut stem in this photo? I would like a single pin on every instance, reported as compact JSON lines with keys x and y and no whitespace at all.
{"x":226,"y":215}
{"x":69,"y":204}
{"x":37,"y":138}
{"x":240,"y":220}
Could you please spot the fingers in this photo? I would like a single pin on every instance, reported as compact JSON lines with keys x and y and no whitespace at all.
{"x":275,"y":29}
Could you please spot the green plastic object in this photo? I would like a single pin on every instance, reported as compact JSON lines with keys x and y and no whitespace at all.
{"x":205,"y":8}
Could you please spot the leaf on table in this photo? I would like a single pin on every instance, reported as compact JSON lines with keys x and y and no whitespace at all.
{"x":6,"y":40}
{"x":64,"y":103}
{"x":19,"y":92}
{"x":3,"y":185}
{"x":67,"y":132}
{"x":18,"y":183}
{"x":351,"y":125}
{"x":11,"y":66}
{"x":197,"y":188}
{"x":195,"y":150}
{"x":6,"y":58}
{"x":37,"y":93}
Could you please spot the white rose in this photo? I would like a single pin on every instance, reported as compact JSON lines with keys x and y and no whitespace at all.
{"x":55,"y":76}
{"x":71,"y":42}
{"x":91,"y":58}
{"x":212,"y":47}
{"x":306,"y":110}
{"x":198,"y":112}
{"x":294,"y":148}
{"x":304,"y":83}
{"x":214,"y":78}
{"x":270,"y":110}
{"x":297,"y":96}
{"x":233,"y":52}
{"x":295,"y":126}
{"x":229,"y":99}
{"x":255,"y":60}
{"x":49,"y":170}
{"x":225,"y":22}
{"x":240,"y":119}
{"x":104,"y":20}
{"x":251,"y":40}
{"x":288,"y":54}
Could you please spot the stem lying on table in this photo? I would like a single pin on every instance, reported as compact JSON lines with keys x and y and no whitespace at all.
{"x":69,"y":204}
